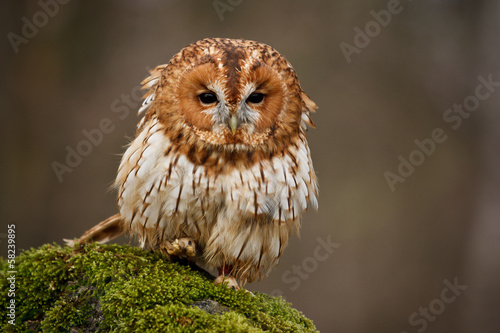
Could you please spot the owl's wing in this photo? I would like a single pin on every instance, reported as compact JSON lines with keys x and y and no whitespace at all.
{"x":308,"y":106}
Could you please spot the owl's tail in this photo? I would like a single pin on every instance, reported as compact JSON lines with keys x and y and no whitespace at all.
{"x":105,"y":231}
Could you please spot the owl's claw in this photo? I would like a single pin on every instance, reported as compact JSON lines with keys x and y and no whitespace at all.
{"x":227,"y":279}
{"x":183,"y":246}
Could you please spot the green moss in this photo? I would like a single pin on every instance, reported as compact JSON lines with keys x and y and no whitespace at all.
{"x":114,"y":288}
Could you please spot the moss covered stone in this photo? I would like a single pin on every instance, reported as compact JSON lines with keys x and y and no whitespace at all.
{"x":119,"y":288}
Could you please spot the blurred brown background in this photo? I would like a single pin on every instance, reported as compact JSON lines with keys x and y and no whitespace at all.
{"x":396,"y":247}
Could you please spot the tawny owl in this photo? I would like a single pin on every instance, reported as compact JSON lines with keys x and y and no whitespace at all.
{"x":220,"y":170}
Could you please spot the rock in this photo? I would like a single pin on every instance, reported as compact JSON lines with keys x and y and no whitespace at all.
{"x":102,"y":288}
{"x":210,"y":306}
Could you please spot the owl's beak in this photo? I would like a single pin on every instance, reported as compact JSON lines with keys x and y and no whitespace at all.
{"x":233,"y":123}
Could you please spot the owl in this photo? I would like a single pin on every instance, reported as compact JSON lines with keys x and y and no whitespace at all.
{"x":220,"y":170}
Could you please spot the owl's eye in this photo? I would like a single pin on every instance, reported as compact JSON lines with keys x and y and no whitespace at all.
{"x":255,"y":98}
{"x":207,"y":98}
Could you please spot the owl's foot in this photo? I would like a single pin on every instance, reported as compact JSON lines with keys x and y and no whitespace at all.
{"x":182,"y":247}
{"x":226,"y":277}
{"x":229,"y":280}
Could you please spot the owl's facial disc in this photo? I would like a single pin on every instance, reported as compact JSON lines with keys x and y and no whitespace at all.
{"x":231,"y":110}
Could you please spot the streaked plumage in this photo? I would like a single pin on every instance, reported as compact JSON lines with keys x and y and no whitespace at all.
{"x":233,"y":175}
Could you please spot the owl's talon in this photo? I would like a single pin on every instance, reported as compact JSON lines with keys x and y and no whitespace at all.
{"x":183,"y":246}
{"x":190,"y":251}
{"x":177,"y":246}
{"x":228,"y":280}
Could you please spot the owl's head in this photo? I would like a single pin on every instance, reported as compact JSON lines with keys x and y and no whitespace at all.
{"x":228,"y":93}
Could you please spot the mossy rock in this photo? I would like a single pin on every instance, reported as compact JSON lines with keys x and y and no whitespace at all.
{"x":119,"y":288}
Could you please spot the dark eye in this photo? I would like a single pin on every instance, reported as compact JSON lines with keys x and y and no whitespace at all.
{"x":255,"y":98}
{"x":207,"y":98}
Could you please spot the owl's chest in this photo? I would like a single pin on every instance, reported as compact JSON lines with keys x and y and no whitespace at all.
{"x":188,"y":189}
{"x":158,"y":189}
